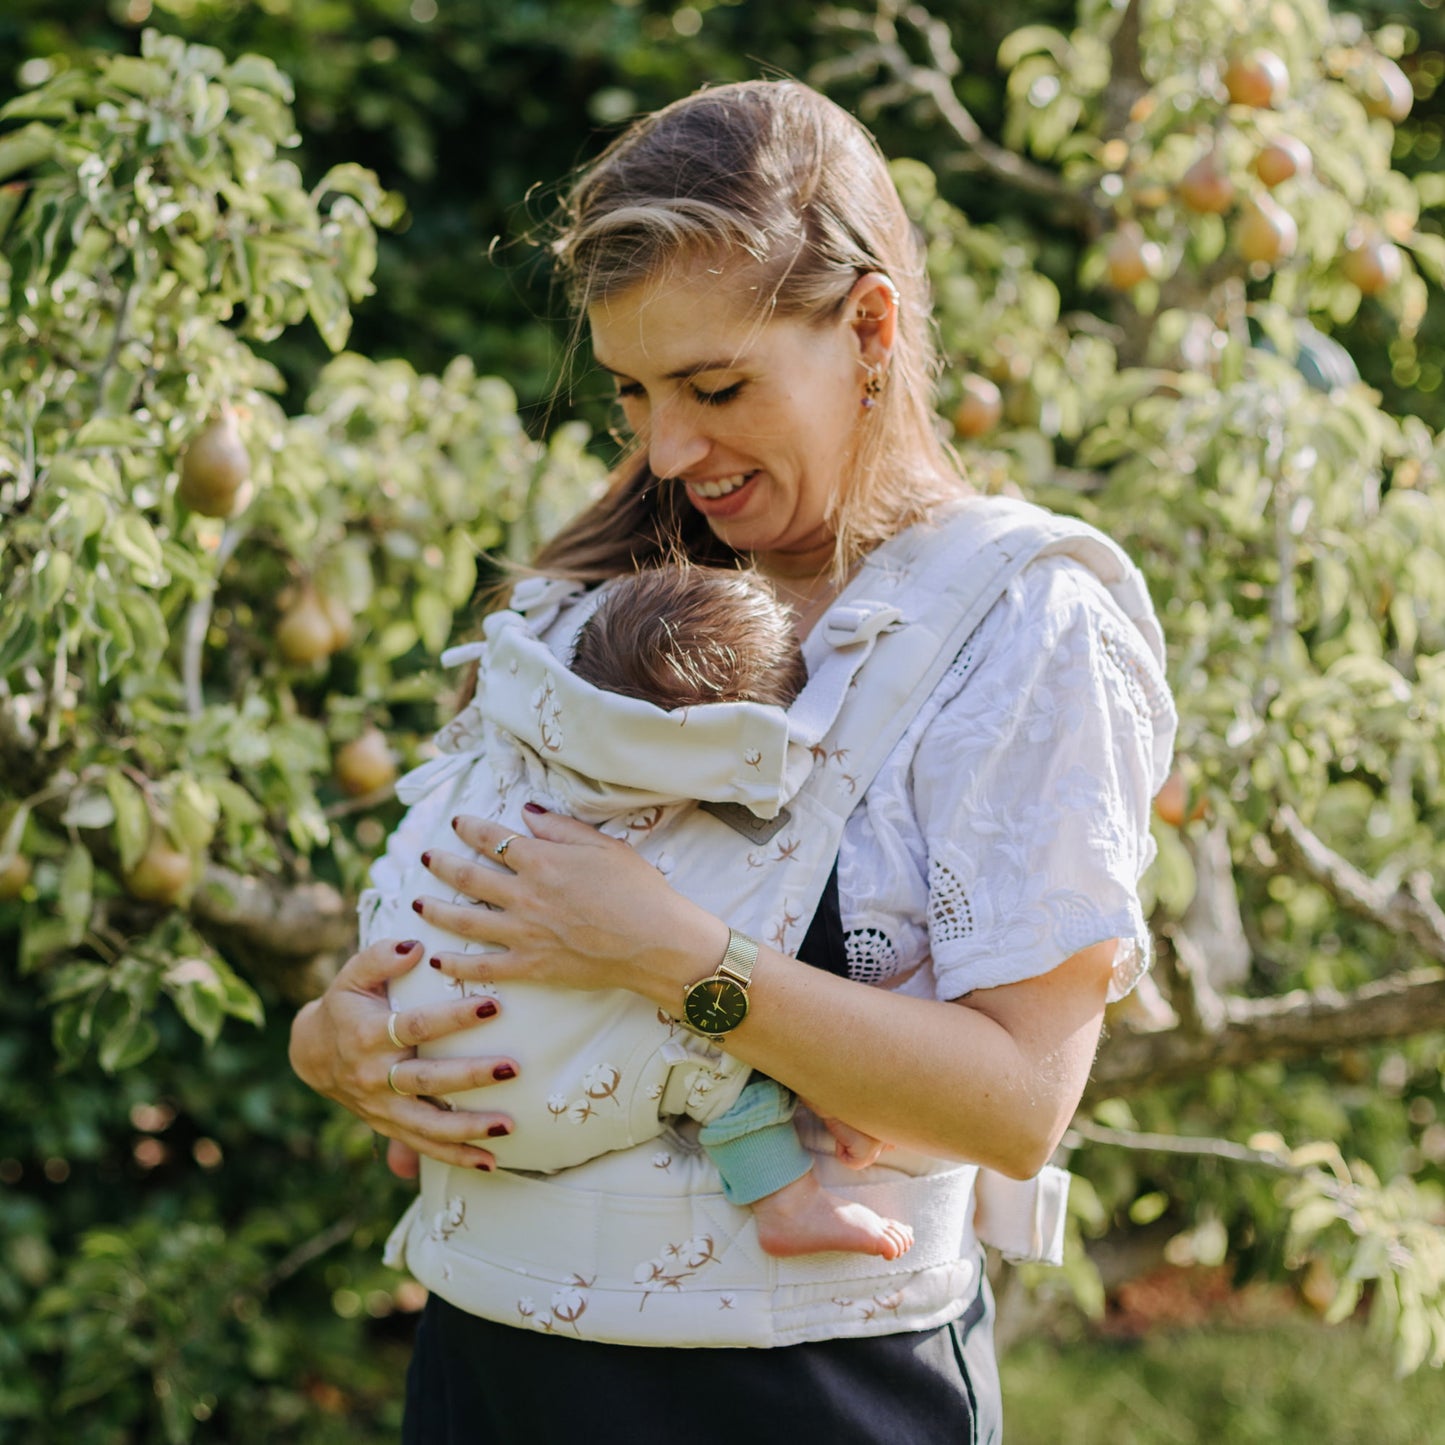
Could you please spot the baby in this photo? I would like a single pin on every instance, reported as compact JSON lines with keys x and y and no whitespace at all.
{"x":682,"y":637}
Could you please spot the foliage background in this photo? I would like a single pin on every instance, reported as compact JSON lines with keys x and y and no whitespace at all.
{"x":190,"y":1239}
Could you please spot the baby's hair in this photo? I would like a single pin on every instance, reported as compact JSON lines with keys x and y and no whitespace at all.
{"x":680,"y":635}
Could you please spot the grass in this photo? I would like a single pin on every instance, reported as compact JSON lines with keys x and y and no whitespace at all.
{"x":1291,"y":1381}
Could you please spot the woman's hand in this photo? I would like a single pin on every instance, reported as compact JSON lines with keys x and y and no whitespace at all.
{"x":570,"y":907}
{"x":341,"y":1047}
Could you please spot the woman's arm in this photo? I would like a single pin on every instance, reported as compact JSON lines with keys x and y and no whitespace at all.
{"x":992,"y":1078}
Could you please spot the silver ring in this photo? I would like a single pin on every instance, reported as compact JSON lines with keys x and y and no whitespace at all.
{"x":391,"y":1019}
{"x":391,"y":1079}
{"x":500,"y":851}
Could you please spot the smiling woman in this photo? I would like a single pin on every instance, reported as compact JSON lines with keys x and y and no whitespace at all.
{"x":977,"y":781}
{"x":761,"y":428}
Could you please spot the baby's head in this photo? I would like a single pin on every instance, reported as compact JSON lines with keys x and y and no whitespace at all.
{"x":679,"y":635}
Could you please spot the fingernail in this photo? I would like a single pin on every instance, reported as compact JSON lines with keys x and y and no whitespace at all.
{"x":498,"y":1130}
{"x":407,"y":947}
{"x":426,"y":860}
{"x":416,"y":905}
{"x":533,"y":808}
{"x":435,"y":962}
{"x":484,"y":1011}
{"x":455,"y":821}
{"x":504,"y":1071}
{"x":485,"y":1167}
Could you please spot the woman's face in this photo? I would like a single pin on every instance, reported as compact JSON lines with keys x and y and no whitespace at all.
{"x":756,"y":420}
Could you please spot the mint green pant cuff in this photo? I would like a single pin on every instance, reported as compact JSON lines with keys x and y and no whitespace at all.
{"x":754,"y":1145}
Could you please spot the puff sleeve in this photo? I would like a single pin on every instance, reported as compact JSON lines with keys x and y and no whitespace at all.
{"x":1033,"y":784}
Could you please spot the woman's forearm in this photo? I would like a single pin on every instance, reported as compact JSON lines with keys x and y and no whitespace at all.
{"x":994,"y":1078}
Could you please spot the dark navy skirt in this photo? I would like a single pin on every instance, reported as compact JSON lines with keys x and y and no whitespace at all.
{"x":474,"y":1382}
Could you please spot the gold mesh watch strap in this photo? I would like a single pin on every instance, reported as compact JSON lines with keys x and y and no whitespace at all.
{"x":741,"y":955}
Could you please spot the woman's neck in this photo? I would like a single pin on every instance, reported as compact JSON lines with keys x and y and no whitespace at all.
{"x":808,"y":594}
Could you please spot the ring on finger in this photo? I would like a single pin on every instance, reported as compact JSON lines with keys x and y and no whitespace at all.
{"x":391,"y":1033}
{"x":500,"y":851}
{"x":391,"y":1079}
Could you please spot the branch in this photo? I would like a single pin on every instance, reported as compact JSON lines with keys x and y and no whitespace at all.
{"x":1296,"y":1025}
{"x":198,"y":623}
{"x":1081,"y":1131}
{"x":1408,"y":908}
{"x":303,"y":1254}
{"x":934,"y":83}
{"x":299,"y":920}
{"x":1126,"y":71}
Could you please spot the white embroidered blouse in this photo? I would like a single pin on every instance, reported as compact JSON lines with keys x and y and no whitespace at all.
{"x":1010,"y":826}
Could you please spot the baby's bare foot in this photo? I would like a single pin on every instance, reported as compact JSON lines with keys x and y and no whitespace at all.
{"x":804,"y":1218}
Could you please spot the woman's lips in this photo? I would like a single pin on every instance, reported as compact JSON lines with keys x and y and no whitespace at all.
{"x":730,"y":494}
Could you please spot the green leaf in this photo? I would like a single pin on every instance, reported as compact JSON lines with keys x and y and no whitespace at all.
{"x":1030,"y":40}
{"x":132,"y":818}
{"x":126,"y":1044}
{"x":77,"y":880}
{"x":116,"y":431}
{"x":88,"y":807}
{"x":21,"y":643}
{"x":134,"y":539}
{"x":433,"y":615}
{"x":24,"y":148}
{"x":193,"y":815}
{"x":15,"y":817}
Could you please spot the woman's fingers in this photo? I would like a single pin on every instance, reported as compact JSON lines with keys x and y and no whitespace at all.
{"x":419,"y":1078}
{"x":483,"y":880}
{"x":370,"y":969}
{"x":415,"y":1026}
{"x":485,"y":836}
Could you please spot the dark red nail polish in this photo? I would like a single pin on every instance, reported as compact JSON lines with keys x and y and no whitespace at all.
{"x":455,"y":821}
{"x":485,"y":1010}
{"x":435,"y":962}
{"x":498,"y":1130}
{"x":416,"y":905}
{"x":533,"y":808}
{"x":485,"y":1167}
{"x":504,"y":1071}
{"x":407,"y":947}
{"x":426,"y":860}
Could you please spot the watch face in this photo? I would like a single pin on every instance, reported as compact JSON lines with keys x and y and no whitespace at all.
{"x":715,"y":1005}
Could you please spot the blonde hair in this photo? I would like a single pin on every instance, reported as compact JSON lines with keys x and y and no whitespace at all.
{"x":680,"y":635}
{"x":774,"y":172}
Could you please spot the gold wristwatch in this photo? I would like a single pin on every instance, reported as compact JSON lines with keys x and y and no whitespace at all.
{"x":717,"y":1004}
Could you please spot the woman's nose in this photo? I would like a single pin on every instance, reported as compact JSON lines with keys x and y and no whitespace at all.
{"x":675,"y":445}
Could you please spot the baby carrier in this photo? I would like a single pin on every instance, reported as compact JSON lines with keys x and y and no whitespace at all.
{"x":633,"y":1232}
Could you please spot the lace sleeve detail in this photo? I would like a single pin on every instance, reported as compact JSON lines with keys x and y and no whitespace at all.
{"x":1034,"y":785}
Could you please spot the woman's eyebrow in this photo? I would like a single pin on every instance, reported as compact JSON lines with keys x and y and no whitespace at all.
{"x":684,"y":373}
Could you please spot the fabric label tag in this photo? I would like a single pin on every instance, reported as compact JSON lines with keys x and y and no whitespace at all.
{"x":740,"y":820}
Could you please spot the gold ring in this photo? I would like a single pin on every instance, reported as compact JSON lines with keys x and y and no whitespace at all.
{"x":391,"y":1019}
{"x":500,"y":851}
{"x":391,"y":1079}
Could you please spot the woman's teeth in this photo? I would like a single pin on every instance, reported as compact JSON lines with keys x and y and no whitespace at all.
{"x":721,"y":486}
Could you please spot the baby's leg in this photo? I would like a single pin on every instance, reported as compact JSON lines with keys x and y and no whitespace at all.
{"x":804,"y":1218}
{"x":763,"y":1166}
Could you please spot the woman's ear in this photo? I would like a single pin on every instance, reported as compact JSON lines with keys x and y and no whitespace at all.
{"x":873,"y":314}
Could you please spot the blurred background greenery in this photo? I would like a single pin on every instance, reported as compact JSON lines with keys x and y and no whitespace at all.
{"x":190,"y":1240}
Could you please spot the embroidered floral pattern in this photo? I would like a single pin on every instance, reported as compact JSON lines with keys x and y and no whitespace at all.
{"x":449,"y":1220}
{"x":676,"y":1264}
{"x":548,"y":712}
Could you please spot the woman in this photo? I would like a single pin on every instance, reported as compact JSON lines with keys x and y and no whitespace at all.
{"x":752,"y":283}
